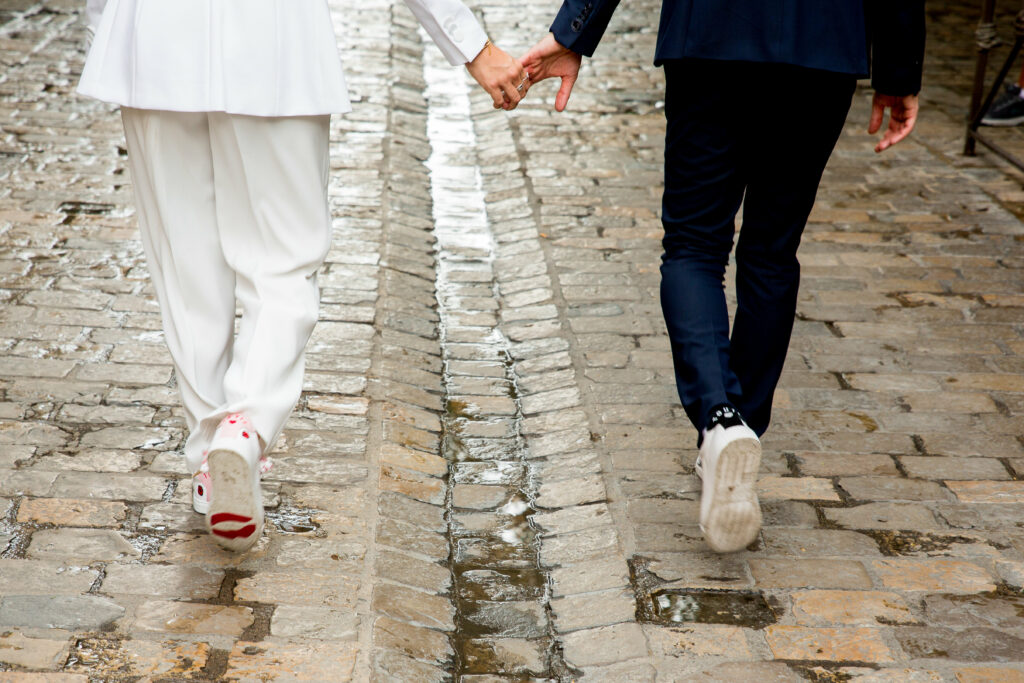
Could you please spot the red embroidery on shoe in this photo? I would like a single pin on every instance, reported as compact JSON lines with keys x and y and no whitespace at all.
{"x":228,"y":517}
{"x":199,"y":490}
{"x":236,"y":533}
{"x":245,"y":435}
{"x":232,"y":421}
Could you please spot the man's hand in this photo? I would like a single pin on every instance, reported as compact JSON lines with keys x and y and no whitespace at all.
{"x":902,"y":117}
{"x":500,"y":75}
{"x":549,"y":59}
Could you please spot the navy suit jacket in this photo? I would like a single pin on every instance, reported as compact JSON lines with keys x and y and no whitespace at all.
{"x":882,"y":37}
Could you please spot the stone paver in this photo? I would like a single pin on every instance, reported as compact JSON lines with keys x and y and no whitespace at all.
{"x":488,"y":476}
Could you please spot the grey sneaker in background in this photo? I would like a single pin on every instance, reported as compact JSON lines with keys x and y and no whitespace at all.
{"x":1006,"y":110}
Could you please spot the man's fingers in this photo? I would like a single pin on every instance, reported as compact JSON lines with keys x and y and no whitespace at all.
{"x":899,"y":134}
{"x":562,"y":99}
{"x":535,"y":70}
{"x":901,"y":124}
{"x":902,"y":117}
{"x":891,"y":137}
{"x":877,"y":114}
{"x":900,"y":131}
{"x":530,"y":62}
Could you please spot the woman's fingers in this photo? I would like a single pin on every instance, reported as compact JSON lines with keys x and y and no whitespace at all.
{"x":516,"y":86}
{"x":503,"y":77}
{"x":514,"y":95}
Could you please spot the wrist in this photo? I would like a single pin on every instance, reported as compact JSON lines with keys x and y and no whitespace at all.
{"x":486,"y":49}
{"x":559,"y":46}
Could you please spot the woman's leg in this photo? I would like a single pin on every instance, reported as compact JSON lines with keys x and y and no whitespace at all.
{"x":270,"y":176}
{"x":172,"y":174}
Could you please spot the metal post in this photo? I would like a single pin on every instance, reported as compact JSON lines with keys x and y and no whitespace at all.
{"x":986,"y":39}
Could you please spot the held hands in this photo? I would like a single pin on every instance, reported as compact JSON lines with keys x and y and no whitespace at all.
{"x":902,"y":117}
{"x":507,"y":80}
{"x":549,"y":59}
{"x":502,"y":77}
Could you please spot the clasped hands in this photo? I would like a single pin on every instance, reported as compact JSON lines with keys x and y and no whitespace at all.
{"x":507,"y":80}
{"x":501,"y":76}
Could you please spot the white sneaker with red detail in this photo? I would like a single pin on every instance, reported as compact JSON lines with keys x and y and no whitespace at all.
{"x":201,"y":489}
{"x":234,"y":516}
{"x":730,"y":513}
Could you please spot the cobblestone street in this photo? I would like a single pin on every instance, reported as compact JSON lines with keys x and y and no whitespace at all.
{"x":489,"y":476}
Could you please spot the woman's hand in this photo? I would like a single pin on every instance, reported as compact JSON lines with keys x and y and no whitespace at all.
{"x":500,"y":75}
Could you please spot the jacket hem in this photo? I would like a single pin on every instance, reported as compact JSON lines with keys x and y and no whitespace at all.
{"x":124,"y":101}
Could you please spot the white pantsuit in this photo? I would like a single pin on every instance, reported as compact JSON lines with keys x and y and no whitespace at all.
{"x":232,"y":208}
{"x":226,"y":107}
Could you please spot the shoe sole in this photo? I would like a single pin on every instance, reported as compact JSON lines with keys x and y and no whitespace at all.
{"x":202,"y":507}
{"x":734,"y":516}
{"x":235,"y":516}
{"x":199,"y":503}
{"x":1003,"y":123}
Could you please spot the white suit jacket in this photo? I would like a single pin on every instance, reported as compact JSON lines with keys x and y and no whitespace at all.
{"x":255,"y":57}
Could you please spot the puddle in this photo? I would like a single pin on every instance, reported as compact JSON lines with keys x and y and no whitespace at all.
{"x":455,"y":408}
{"x":734,"y":608}
{"x":488,"y":449}
{"x":507,"y":619}
{"x":894,"y":543}
{"x":288,"y":519}
{"x":146,"y":544}
{"x":99,"y":658}
{"x":495,"y":472}
{"x":480,"y":585}
{"x":673,"y":606}
{"x":14,"y":537}
{"x":85,"y":208}
{"x":820,"y":674}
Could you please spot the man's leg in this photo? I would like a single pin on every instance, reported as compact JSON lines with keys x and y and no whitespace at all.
{"x":704,"y":180}
{"x":705,"y":174}
{"x":789,"y":150}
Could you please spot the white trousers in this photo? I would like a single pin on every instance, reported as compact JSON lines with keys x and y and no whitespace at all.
{"x":233,"y":209}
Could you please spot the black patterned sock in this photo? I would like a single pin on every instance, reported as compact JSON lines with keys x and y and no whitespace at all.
{"x":725,"y":415}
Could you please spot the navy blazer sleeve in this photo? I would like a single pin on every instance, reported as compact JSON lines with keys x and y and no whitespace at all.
{"x":580,"y":24}
{"x":896,"y":32}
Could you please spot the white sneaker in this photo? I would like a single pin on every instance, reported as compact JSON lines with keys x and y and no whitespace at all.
{"x":201,"y":486}
{"x":730,"y":514}
{"x":234,"y":516}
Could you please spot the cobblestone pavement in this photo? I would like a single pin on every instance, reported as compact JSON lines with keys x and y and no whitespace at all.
{"x":488,"y":476}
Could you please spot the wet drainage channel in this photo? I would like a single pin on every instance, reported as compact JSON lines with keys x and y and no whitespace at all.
{"x":678,"y":606}
{"x":501,"y":598}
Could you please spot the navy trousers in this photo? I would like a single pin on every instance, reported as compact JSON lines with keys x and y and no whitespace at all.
{"x":757,"y":134}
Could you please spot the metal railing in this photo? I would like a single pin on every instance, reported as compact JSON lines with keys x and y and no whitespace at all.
{"x":986,"y":39}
